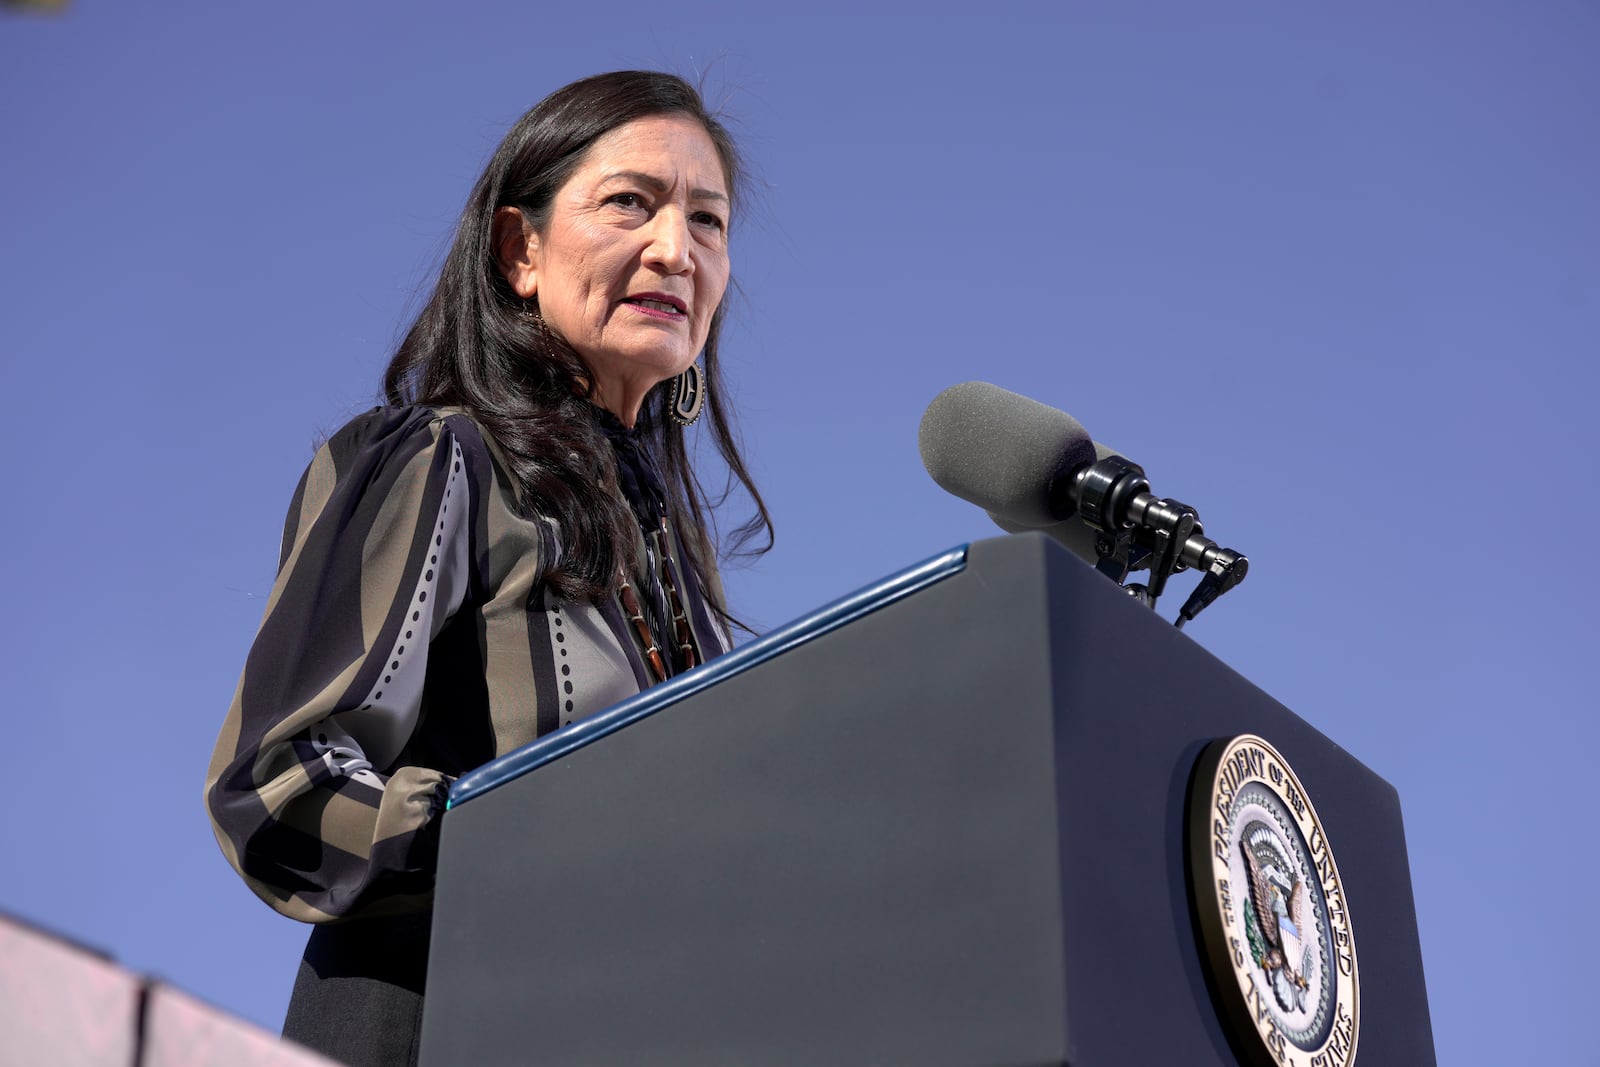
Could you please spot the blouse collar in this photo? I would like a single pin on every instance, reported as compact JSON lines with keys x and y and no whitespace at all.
{"x":637,"y":470}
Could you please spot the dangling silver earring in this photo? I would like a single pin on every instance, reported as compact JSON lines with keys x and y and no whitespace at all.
{"x":688,"y":396}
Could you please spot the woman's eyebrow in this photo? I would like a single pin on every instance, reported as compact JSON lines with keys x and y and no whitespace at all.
{"x":660,"y":185}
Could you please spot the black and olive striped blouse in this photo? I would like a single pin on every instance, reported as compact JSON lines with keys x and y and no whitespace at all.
{"x":408,"y":638}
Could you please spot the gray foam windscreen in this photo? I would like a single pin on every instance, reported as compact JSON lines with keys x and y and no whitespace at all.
{"x":1001,"y":451}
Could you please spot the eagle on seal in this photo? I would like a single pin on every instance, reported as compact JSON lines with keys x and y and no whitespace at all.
{"x":1279,"y":900}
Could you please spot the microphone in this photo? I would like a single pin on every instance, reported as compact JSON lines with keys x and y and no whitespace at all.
{"x":1030,"y":467}
{"x":1071,"y":533}
{"x":1011,"y":456}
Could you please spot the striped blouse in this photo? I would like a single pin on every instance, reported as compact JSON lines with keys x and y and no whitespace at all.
{"x":408,"y":638}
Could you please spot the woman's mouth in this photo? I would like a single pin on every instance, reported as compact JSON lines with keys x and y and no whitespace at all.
{"x":658,"y":305}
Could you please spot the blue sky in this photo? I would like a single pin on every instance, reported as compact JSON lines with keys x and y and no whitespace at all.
{"x":1331,"y":273}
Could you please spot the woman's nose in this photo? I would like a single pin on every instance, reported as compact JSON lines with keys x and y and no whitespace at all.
{"x":669,"y":242}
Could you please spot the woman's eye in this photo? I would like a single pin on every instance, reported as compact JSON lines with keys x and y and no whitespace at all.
{"x":626,"y":200}
{"x":706,"y":218}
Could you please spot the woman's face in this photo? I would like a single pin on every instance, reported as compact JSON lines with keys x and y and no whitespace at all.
{"x":634,"y":258}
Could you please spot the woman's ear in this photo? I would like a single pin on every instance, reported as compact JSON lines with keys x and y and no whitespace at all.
{"x":516,"y":249}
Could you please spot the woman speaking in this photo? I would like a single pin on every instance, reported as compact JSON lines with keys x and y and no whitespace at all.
{"x":515,"y":541}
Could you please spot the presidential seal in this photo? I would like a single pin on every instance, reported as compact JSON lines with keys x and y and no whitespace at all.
{"x":1273,"y":920}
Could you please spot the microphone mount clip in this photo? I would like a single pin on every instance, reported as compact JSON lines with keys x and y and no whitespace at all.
{"x":1138,"y":529}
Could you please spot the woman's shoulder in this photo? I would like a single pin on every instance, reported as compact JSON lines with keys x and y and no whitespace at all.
{"x":390,"y":435}
{"x":384,"y":450}
{"x":392,"y":427}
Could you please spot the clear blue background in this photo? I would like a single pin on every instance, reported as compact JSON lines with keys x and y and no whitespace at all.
{"x":1331,"y":272}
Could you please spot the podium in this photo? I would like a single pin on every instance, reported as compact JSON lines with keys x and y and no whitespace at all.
{"x":945,"y":820}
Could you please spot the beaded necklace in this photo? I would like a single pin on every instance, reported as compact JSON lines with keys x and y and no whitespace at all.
{"x":641,"y":483}
{"x":682,"y":633}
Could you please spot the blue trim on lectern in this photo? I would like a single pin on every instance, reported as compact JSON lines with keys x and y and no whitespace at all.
{"x":809,"y":627}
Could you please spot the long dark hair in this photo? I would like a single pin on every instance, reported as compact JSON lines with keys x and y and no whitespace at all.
{"x":473,"y":347}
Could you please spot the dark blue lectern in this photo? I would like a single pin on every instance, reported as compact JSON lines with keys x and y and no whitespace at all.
{"x":942,"y":821}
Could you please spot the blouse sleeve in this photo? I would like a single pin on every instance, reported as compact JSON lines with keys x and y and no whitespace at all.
{"x":307,"y":792}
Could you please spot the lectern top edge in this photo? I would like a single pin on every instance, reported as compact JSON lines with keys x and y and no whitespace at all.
{"x":806,"y":628}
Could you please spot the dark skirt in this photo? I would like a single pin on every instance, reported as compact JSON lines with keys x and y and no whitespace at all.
{"x":358,"y":995}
